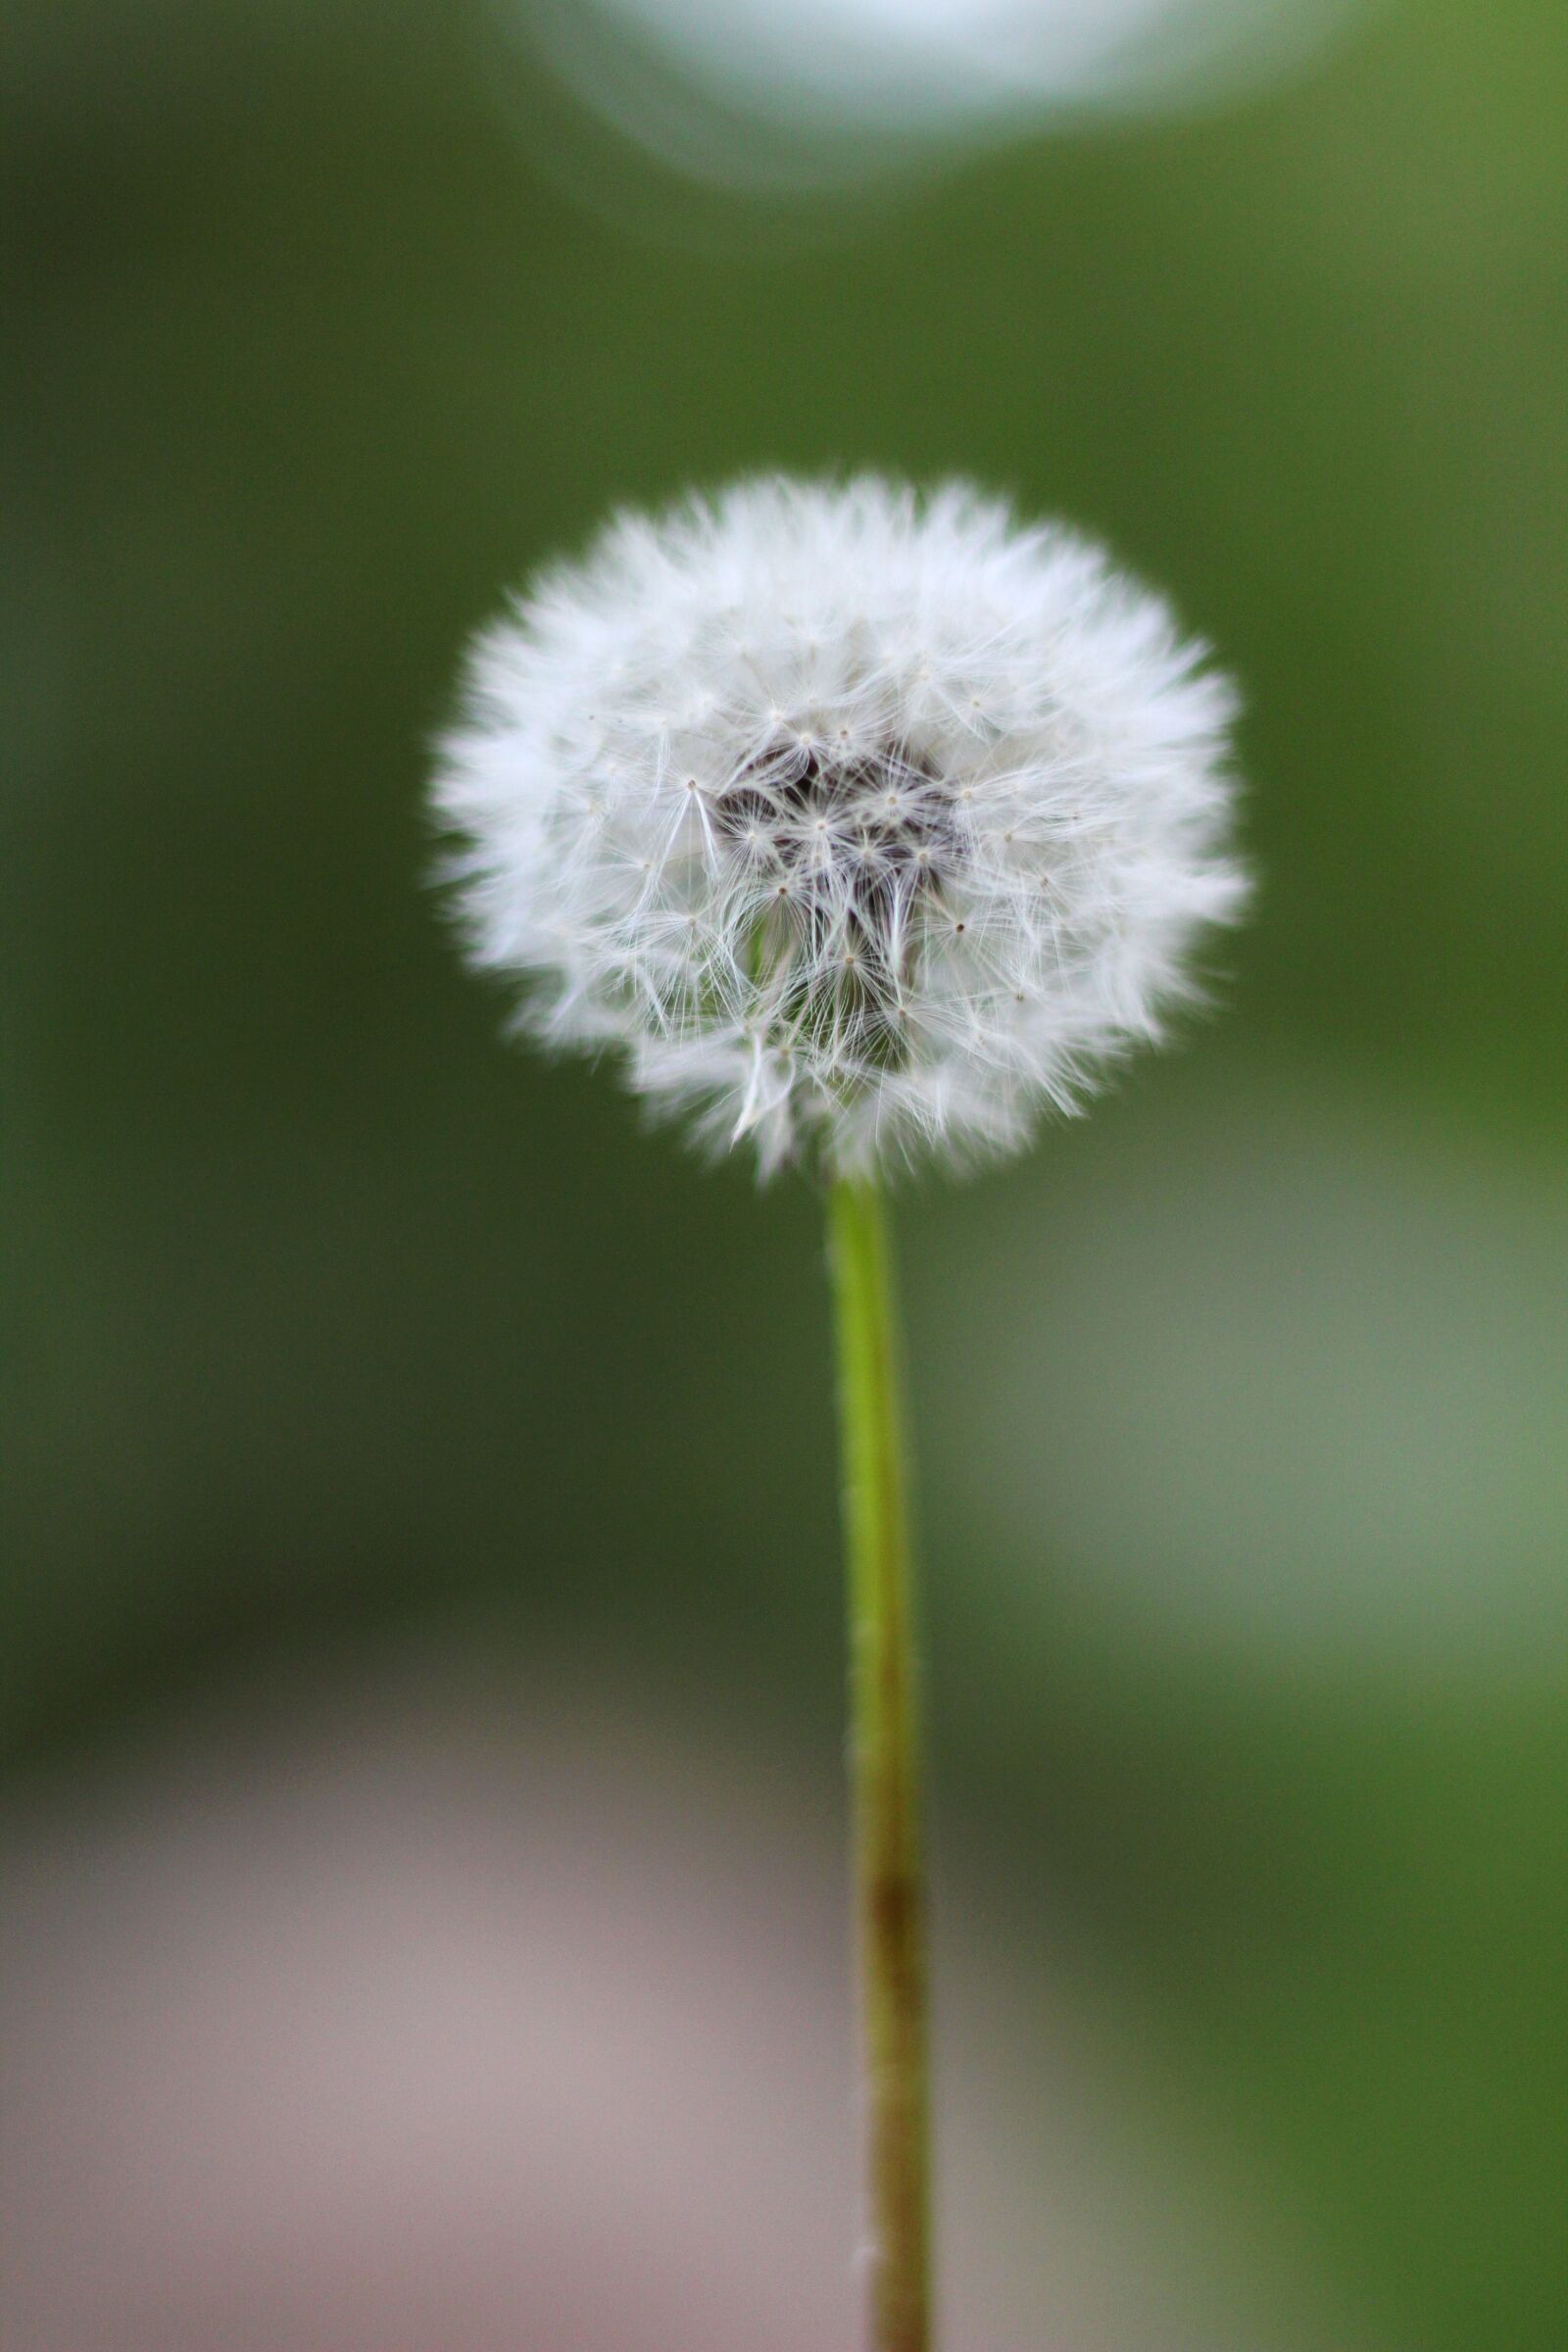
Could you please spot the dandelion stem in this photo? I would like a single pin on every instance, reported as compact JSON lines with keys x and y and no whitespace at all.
{"x":884,"y":1749}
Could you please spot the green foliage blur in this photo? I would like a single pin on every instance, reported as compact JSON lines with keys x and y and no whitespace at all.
{"x":1242,"y":1406}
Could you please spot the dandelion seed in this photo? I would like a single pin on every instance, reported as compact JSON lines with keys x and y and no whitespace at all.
{"x":898,"y":833}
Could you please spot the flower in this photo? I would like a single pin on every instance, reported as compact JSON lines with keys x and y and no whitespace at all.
{"x":862,"y":825}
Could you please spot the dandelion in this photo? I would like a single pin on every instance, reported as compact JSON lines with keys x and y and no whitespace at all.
{"x":863,"y":830}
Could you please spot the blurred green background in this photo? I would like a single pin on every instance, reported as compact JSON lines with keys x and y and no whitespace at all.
{"x":1242,"y":1406}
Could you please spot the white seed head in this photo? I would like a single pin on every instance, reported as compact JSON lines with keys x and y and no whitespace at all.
{"x":863,"y":825}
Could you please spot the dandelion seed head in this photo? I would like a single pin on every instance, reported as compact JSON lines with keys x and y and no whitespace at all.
{"x":864,"y":826}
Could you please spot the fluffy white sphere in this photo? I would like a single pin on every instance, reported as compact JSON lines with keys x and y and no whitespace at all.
{"x":863,"y":824}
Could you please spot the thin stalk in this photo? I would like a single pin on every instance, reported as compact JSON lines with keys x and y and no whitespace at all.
{"x":884,"y":1768}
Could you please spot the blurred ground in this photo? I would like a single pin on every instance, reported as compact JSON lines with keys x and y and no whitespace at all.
{"x":417,"y":2009}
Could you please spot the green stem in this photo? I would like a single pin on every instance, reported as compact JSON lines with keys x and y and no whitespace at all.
{"x":883,"y":1750}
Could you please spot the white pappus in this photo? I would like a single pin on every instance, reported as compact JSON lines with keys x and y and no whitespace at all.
{"x":866,"y":825}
